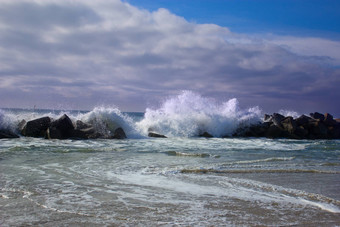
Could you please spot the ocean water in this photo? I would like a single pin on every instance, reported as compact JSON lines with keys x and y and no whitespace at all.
{"x":182,"y":180}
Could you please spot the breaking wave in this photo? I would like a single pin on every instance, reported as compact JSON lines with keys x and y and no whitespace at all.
{"x":189,"y":114}
{"x":186,"y":115}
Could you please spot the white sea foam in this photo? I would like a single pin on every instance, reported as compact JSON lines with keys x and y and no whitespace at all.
{"x":108,"y":119}
{"x":190,"y":114}
{"x":291,"y":113}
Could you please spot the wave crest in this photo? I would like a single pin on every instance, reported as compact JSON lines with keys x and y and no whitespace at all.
{"x":190,"y":114}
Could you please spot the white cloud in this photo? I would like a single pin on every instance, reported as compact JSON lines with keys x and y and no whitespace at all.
{"x":110,"y":51}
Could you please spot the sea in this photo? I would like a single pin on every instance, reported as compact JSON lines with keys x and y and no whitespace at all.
{"x":182,"y":180}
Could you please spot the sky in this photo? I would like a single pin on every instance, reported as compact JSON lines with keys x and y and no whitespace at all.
{"x":134,"y":54}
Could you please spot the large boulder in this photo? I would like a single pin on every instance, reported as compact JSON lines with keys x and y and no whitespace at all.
{"x":119,"y":134}
{"x":317,"y":130}
{"x":82,"y":125}
{"x":86,"y":133}
{"x":302,"y":120}
{"x":255,"y":130}
{"x":275,"y":131}
{"x":301,"y":132}
{"x":328,"y":120}
{"x":317,"y":116}
{"x":277,"y":118}
{"x":37,"y":127}
{"x":289,"y":124}
{"x":61,"y":129}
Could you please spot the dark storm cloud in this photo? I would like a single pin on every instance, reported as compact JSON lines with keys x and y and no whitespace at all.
{"x":94,"y":52}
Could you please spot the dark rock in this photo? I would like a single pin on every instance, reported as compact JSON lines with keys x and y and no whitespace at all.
{"x":206,"y":135}
{"x":334,"y":132}
{"x":82,"y":125}
{"x":87,"y":133}
{"x":302,"y":120}
{"x":61,"y":129}
{"x":329,"y":120}
{"x":289,"y":124}
{"x":152,"y":134}
{"x":255,"y":130}
{"x":317,"y":116}
{"x":277,"y":118}
{"x":301,"y":132}
{"x":21,"y":125}
{"x":37,"y":127}
{"x":317,"y":129}
{"x":275,"y":132}
{"x":267,"y":118}
{"x":7,"y":134}
{"x":53,"y":133}
{"x":119,"y":134}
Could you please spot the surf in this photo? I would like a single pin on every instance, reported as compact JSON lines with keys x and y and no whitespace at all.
{"x":186,"y":115}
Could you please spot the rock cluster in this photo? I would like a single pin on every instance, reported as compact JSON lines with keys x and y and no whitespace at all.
{"x":315,"y":126}
{"x":64,"y":128}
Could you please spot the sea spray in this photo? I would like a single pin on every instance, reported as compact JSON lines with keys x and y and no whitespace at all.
{"x":189,"y":114}
{"x":8,"y":121}
{"x":107,"y":119}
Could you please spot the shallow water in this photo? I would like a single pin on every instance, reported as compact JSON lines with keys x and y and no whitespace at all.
{"x":173,"y":181}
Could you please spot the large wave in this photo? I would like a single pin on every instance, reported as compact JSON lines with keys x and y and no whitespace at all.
{"x":189,"y":114}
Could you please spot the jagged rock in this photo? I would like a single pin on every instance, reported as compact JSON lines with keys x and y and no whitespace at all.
{"x":267,"y":118}
{"x":334,"y":132}
{"x":277,"y":126}
{"x":317,"y":116}
{"x":302,"y":120}
{"x":61,"y":129}
{"x":301,"y":132}
{"x":81,"y":125}
{"x":37,"y":127}
{"x":6,"y":134}
{"x":256,"y":130}
{"x":21,"y":125}
{"x":277,"y":118}
{"x":329,"y":120}
{"x":86,"y":133}
{"x":119,"y":134}
{"x":275,"y":132}
{"x":317,"y":129}
{"x":152,"y":134}
{"x":289,"y":124}
{"x":206,"y":135}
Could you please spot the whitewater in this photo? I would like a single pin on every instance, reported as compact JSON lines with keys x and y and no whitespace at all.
{"x":182,"y":180}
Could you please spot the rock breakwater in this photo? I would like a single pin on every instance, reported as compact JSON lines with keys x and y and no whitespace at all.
{"x":314,"y":126}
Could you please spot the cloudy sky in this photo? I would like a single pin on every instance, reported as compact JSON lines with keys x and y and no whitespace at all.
{"x":78,"y":54}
